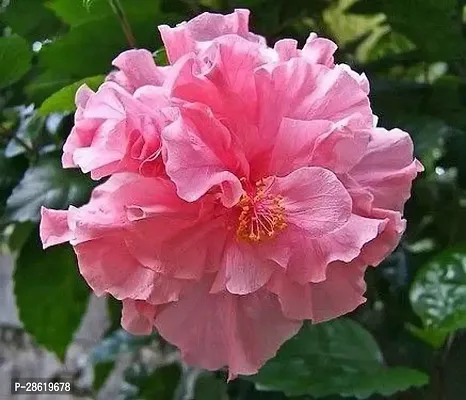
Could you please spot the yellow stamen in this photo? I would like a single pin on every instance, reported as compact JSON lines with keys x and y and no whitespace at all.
{"x":262,"y":215}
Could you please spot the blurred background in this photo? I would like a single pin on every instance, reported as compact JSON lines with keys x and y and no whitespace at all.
{"x":407,"y":342}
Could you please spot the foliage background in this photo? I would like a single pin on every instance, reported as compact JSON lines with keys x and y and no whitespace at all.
{"x":407,"y":342}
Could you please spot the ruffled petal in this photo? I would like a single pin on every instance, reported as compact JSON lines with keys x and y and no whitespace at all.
{"x":388,"y":168}
{"x":188,"y":36}
{"x":114,"y":132}
{"x":108,"y":267}
{"x":341,"y":292}
{"x":319,"y":50}
{"x":316,"y":143}
{"x":137,"y":317}
{"x":184,"y":250}
{"x":302,"y":90}
{"x":380,"y":247}
{"x":310,"y":258}
{"x":216,"y":330}
{"x":136,"y":69}
{"x":314,"y":200}
{"x":242,"y":271}
{"x":54,"y":227}
{"x":286,"y":49}
{"x":198,"y":156}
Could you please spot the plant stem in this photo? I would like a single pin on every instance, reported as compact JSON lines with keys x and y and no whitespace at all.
{"x":437,"y":391}
{"x":29,"y":150}
{"x":121,"y":15}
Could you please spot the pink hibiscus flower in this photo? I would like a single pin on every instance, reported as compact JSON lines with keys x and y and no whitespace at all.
{"x":269,"y":190}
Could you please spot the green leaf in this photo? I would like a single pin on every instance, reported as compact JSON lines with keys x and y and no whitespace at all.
{"x":46,"y":184}
{"x":101,"y":372}
{"x":15,"y":59}
{"x":428,"y":135}
{"x":76,"y":54}
{"x":416,"y":17}
{"x":160,"y":384}
{"x":30,"y":19}
{"x":76,"y":13}
{"x":42,"y":86}
{"x":347,"y":27}
{"x":160,"y":57}
{"x":11,"y":171}
{"x":50,"y":294}
{"x":63,"y":100}
{"x":29,"y":131}
{"x":208,"y":387}
{"x":434,"y":337}
{"x":20,"y":234}
{"x":114,"y":314}
{"x":438,"y":294}
{"x":337,"y":357}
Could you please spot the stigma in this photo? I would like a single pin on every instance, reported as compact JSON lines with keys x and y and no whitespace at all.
{"x":262,"y":214}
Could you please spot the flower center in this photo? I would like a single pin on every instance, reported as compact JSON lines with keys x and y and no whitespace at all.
{"x":262,"y":215}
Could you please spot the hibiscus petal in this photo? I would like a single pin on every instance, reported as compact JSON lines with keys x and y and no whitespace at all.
{"x":54,"y":227}
{"x":216,"y":330}
{"x":341,"y":292}
{"x":184,"y":38}
{"x":137,"y":317}
{"x":319,"y":50}
{"x":311,"y":257}
{"x":374,"y":252}
{"x":108,"y":267}
{"x":314,"y":200}
{"x":388,"y":168}
{"x":241,"y":272}
{"x":114,"y":132}
{"x":294,"y":145}
{"x":198,"y":155}
{"x":316,"y":143}
{"x":137,"y":68}
{"x":286,"y":49}
{"x":302,"y":90}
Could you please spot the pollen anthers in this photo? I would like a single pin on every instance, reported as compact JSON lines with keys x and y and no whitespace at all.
{"x":262,"y":214}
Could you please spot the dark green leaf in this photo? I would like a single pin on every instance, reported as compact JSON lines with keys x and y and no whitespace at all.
{"x":114,"y":313}
{"x":11,"y":171}
{"x":15,"y":59}
{"x":161,"y":384}
{"x":416,"y":17}
{"x":337,"y":357}
{"x":50,"y":294}
{"x":89,"y":48}
{"x":20,"y":235}
{"x":46,"y":184}
{"x":63,"y":100}
{"x":454,"y":387}
{"x":428,"y":135}
{"x":30,"y":19}
{"x":76,"y":53}
{"x":75,"y":12}
{"x":160,"y":57}
{"x":208,"y":387}
{"x":42,"y":86}
{"x":28,"y":131}
{"x":101,"y":372}
{"x":438,"y":294}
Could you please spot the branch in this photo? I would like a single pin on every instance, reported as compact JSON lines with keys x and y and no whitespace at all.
{"x":121,"y":15}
